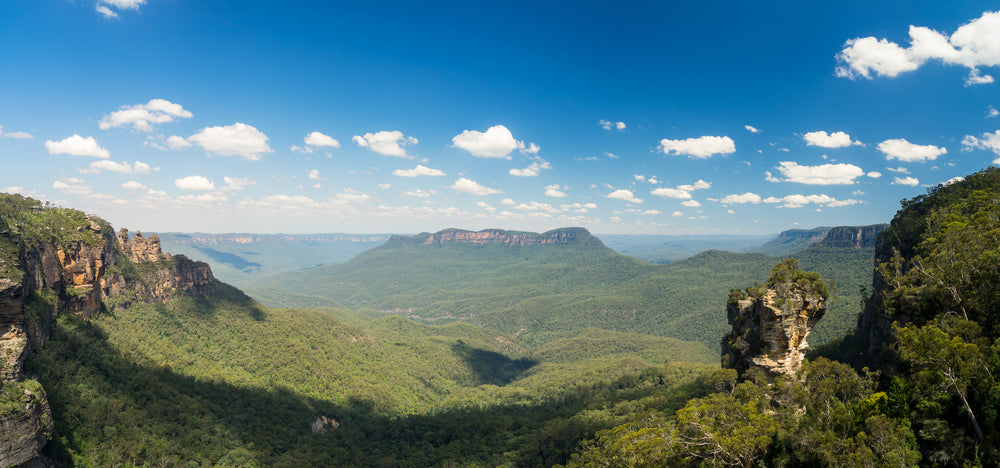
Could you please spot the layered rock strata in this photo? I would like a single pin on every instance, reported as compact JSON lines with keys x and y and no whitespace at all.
{"x":770,"y":325}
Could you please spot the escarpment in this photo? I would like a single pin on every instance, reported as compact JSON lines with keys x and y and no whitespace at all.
{"x":56,"y":261}
{"x":566,"y":236}
{"x":772,"y":321}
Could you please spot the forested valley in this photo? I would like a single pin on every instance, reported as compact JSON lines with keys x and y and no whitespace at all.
{"x":540,"y":355}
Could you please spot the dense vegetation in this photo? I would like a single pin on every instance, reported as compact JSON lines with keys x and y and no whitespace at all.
{"x":543,"y":293}
{"x":931,"y":333}
{"x":221,"y":381}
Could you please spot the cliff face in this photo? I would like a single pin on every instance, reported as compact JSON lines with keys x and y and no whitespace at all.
{"x":770,"y":326}
{"x":579,"y":236}
{"x":43,"y":275}
{"x":856,"y":237}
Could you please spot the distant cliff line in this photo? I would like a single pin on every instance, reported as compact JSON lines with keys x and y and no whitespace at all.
{"x":562,"y":236}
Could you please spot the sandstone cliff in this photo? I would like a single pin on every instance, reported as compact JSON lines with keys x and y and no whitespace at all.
{"x":576,"y":236}
{"x":56,"y":261}
{"x":770,"y":322}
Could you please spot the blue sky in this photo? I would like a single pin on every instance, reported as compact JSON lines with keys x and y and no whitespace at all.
{"x":625,"y":117}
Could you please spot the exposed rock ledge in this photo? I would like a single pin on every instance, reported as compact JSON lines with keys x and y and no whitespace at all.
{"x":577,"y":236}
{"x":771,"y":322}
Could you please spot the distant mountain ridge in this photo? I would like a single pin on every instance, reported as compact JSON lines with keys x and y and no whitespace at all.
{"x":563,"y":236}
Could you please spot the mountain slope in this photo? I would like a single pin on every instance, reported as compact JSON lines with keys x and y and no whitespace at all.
{"x":541,"y":292}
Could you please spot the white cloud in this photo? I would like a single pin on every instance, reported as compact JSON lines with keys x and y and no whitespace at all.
{"x":176,"y":142}
{"x":992,"y":112}
{"x":825,"y":174}
{"x":739,"y":199}
{"x":385,"y":186}
{"x":77,"y":145}
{"x":699,"y":185}
{"x":691,"y":203}
{"x":109,"y":165}
{"x":318,"y":139}
{"x":798,"y":201}
{"x":122,"y":167}
{"x":874,"y":174}
{"x":953,"y":180}
{"x":507,"y":201}
{"x":495,"y":142}
{"x":671,"y":193}
{"x":701,"y":147}
{"x":125,"y":4}
{"x":677,"y":214}
{"x":608,"y":125}
{"x":386,"y":143}
{"x":14,"y":134}
{"x":238,"y":139}
{"x":418,"y":171}
{"x":989,"y":141}
{"x":651,"y":212}
{"x":236,"y":184}
{"x":142,"y":116}
{"x":105,"y":11}
{"x":831,"y":140}
{"x":418,"y":193}
{"x":900,"y":169}
{"x":973,"y":45}
{"x":314,"y":175}
{"x":194,"y":183}
{"x":532,"y":170}
{"x":610,"y":156}
{"x":472,"y":187}
{"x":908,"y":152}
{"x":71,"y":186}
{"x":133,"y":185}
{"x":911,"y":181}
{"x":553,"y":191}
{"x":751,"y":129}
{"x":625,"y":195}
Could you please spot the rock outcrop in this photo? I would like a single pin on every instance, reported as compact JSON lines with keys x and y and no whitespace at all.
{"x":771,"y":321}
{"x":855,"y":237}
{"x":577,"y":236}
{"x":75,"y":266}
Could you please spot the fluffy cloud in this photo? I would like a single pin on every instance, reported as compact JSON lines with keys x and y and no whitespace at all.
{"x":798,"y":201}
{"x":122,"y":167}
{"x":77,"y":145}
{"x":989,"y":142}
{"x":133,"y":185}
{"x":908,"y":152}
{"x":236,"y":184}
{"x":829,"y":140}
{"x":701,"y":147}
{"x":14,"y":134}
{"x":314,"y":175}
{"x":751,"y":129}
{"x":992,"y":112}
{"x":318,"y":139}
{"x":625,"y":195}
{"x":143,"y":116}
{"x":532,"y":170}
{"x":911,"y":181}
{"x":825,"y":174}
{"x":740,"y":199}
{"x":418,"y":193}
{"x":495,"y":142}
{"x":472,"y":187}
{"x":699,"y":185}
{"x":176,"y":142}
{"x":386,"y":143}
{"x":671,"y":193}
{"x":194,"y":183}
{"x":973,"y":45}
{"x":238,"y":139}
{"x":553,"y":191}
{"x":608,"y":125}
{"x":691,"y":203}
{"x":418,"y":171}
{"x":71,"y":187}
